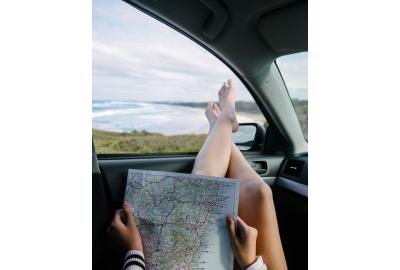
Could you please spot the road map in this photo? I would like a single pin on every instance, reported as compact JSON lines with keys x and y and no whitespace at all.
{"x":181,"y":218}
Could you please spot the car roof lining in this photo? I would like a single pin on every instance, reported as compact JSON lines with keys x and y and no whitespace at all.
{"x":251,"y":38}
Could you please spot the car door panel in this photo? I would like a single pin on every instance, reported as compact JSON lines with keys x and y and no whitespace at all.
{"x":115,"y":170}
{"x":291,"y":204}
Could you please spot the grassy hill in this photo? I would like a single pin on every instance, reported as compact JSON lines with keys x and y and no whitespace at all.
{"x":142,"y":142}
{"x":301,"y":108}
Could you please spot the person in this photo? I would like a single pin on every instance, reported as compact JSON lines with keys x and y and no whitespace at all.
{"x":220,"y":157}
{"x":124,"y":232}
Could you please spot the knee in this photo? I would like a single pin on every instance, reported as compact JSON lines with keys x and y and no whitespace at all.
{"x":196,"y":171}
{"x":264,"y":192}
{"x":204,"y":172}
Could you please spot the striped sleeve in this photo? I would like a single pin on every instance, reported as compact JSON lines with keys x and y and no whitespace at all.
{"x":257,"y":265}
{"x":134,"y":260}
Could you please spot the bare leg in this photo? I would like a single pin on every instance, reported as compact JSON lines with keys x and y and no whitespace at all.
{"x":219,"y":156}
{"x":256,"y":208}
{"x":256,"y":205}
{"x":214,"y":155}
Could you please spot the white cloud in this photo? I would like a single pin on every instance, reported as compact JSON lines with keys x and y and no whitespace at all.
{"x":136,"y":57}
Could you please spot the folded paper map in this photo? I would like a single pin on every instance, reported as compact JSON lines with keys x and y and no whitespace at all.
{"x":181,"y":218}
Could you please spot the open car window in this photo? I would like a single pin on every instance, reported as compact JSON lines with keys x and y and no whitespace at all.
{"x":151,"y":85}
{"x":294,"y":70}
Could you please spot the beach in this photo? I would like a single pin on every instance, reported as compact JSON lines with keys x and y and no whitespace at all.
{"x":162,"y":118}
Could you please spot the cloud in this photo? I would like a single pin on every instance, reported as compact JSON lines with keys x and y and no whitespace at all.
{"x":135,"y":57}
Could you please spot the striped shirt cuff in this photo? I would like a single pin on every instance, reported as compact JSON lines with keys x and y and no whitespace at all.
{"x":257,"y":265}
{"x":134,"y":260}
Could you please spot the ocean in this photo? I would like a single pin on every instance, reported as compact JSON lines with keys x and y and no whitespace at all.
{"x":167,"y":119}
{"x":127,"y":116}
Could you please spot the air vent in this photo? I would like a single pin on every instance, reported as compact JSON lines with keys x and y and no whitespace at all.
{"x":293,"y":168}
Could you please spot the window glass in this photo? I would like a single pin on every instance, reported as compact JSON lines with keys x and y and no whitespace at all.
{"x":151,"y":84}
{"x":294,"y":70}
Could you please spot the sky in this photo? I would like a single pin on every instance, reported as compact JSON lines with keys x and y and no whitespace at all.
{"x":136,"y":57}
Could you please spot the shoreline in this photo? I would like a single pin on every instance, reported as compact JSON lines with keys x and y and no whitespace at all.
{"x":242,"y":118}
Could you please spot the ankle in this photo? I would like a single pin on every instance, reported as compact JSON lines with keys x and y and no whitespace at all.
{"x":226,"y":117}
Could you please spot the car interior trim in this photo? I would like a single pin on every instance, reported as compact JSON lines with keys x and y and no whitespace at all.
{"x":292,"y":186}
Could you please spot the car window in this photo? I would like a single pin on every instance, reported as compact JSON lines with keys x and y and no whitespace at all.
{"x":294,"y":70}
{"x":151,"y":85}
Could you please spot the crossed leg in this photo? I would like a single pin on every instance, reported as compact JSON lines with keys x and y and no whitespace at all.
{"x":213,"y":157}
{"x":256,"y":208}
{"x":219,"y":156}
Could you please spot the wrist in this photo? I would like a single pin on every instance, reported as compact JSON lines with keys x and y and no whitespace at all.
{"x":257,"y":264}
{"x":249,"y":262}
{"x":135,"y":246}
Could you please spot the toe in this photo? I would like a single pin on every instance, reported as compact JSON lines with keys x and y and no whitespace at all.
{"x":209,"y":107}
{"x":223,"y":87}
{"x":222,"y":90}
{"x":217,"y":109}
{"x":226,"y":84}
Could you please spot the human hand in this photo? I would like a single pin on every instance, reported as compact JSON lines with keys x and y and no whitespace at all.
{"x":123,"y":229}
{"x":243,"y":240}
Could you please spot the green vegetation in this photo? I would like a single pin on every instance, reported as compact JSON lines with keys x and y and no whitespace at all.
{"x":301,"y":108}
{"x":142,"y":142}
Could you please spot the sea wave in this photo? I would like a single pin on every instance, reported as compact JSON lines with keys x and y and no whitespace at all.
{"x":108,"y":104}
{"x":134,"y":108}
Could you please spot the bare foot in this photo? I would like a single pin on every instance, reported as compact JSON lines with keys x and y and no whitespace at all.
{"x":212,"y":113}
{"x":227,"y":98}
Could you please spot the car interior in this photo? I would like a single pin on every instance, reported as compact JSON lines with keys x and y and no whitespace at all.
{"x":248,"y":36}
